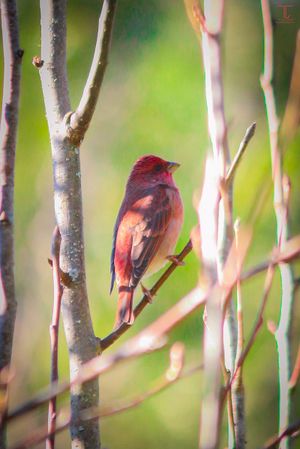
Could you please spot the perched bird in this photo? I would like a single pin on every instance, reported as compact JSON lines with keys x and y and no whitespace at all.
{"x":146,"y":230}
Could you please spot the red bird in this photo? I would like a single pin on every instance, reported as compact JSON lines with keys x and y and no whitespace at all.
{"x":146,"y":230}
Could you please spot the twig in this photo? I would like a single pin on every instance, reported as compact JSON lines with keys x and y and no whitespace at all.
{"x":292,"y":430}
{"x":238,"y":385}
{"x":282,"y":334}
{"x":54,"y":329}
{"x":237,"y":159}
{"x":64,"y":418}
{"x":257,"y":325}
{"x":291,"y":118}
{"x":79,"y":121}
{"x":150,"y":339}
{"x":106,"y":342}
{"x":12,"y":57}
{"x":296,"y":371}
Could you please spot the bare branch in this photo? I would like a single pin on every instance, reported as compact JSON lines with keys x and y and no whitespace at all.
{"x":238,"y":386}
{"x":54,"y":328}
{"x":296,"y":371}
{"x":256,"y":327}
{"x":64,"y":418}
{"x":282,"y":334}
{"x":148,"y":340}
{"x":81,"y":341}
{"x":79,"y":121}
{"x":106,"y":342}
{"x":292,"y":430}
{"x":291,"y":118}
{"x":210,"y":24}
{"x":8,"y":132}
{"x":237,"y":159}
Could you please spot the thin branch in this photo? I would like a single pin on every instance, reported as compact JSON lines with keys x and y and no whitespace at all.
{"x":256,"y":328}
{"x":210,"y":24}
{"x":106,"y":342}
{"x":282,"y":334}
{"x":151,"y":338}
{"x":292,"y":430}
{"x":237,"y":158}
{"x":79,"y":121}
{"x":291,"y":118}
{"x":296,"y":371}
{"x":64,"y":418}
{"x":238,"y":386}
{"x":54,"y":329}
{"x":12,"y":56}
{"x":148,"y":340}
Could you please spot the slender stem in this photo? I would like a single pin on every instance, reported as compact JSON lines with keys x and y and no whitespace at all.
{"x":291,"y":118}
{"x":8,"y":133}
{"x":238,"y":385}
{"x":150,"y":339}
{"x":80,"y":120}
{"x":282,"y":334}
{"x":144,"y":341}
{"x":257,"y":326}
{"x":291,"y":430}
{"x":296,"y":371}
{"x":64,"y":419}
{"x":210,"y":25}
{"x":54,"y":328}
{"x":242,"y":148}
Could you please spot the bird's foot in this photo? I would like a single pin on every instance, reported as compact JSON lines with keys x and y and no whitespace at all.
{"x":147,"y":293}
{"x":174,"y":259}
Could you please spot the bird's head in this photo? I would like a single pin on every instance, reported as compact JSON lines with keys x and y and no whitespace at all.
{"x":152,"y":170}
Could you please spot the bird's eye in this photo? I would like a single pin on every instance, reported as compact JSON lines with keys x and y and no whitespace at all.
{"x":158,"y":168}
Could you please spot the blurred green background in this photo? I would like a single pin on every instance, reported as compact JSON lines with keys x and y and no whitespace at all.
{"x":152,"y":101}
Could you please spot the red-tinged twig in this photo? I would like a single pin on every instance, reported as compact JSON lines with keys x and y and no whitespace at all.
{"x":106,"y":342}
{"x":292,"y":431}
{"x":79,"y":121}
{"x":256,"y":328}
{"x":147,"y":340}
{"x":296,"y":372}
{"x":150,"y":339}
{"x":54,"y":328}
{"x":12,"y":57}
{"x":173,"y":374}
{"x":282,"y":334}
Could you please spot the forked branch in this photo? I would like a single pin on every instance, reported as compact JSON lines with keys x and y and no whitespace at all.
{"x":79,"y":120}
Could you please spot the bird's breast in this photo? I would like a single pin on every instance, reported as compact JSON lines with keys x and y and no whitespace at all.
{"x":171,"y":235}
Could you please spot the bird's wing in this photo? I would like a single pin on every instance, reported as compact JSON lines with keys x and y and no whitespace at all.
{"x":148,"y":232}
{"x":113,"y":252}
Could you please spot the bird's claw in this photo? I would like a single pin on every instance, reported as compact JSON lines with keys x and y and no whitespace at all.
{"x":174,"y":259}
{"x":147,"y":293}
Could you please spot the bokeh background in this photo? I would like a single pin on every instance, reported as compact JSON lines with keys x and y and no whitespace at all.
{"x":152,"y":101}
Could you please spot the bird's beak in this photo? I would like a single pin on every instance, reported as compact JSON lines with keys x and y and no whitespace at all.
{"x":172,"y":166}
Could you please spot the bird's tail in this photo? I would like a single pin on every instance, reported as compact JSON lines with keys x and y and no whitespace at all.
{"x":124,"y":309}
